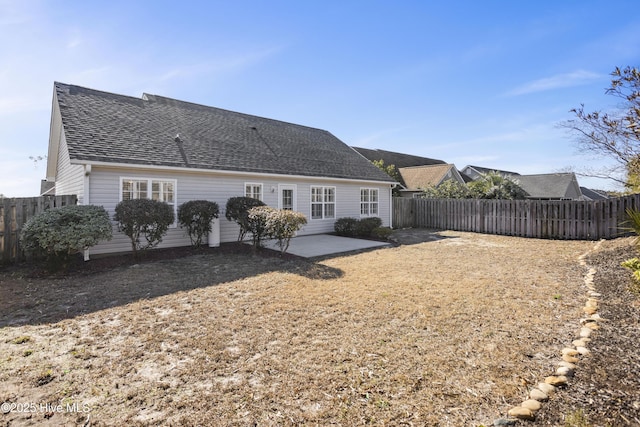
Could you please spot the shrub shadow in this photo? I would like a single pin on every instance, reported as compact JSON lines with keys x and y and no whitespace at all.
{"x":32,"y":297}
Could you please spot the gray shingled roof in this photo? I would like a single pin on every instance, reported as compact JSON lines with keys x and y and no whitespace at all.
{"x":106,"y":127}
{"x":549,"y":185}
{"x":400,"y":160}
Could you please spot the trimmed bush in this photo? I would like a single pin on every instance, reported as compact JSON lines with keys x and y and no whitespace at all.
{"x":143,"y":218}
{"x":196,"y":217}
{"x":381,"y":232}
{"x":256,"y":224}
{"x":237,"y":209}
{"x":267,"y":222}
{"x":346,"y":227}
{"x":56,"y":234}
{"x":366,"y":225}
{"x":282,"y":225}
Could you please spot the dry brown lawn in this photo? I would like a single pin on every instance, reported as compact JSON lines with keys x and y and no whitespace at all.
{"x":449,"y":332}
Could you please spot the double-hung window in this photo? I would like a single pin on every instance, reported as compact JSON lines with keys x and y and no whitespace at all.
{"x":323,"y":202}
{"x":253,"y":190}
{"x":162,"y":190}
{"x":368,"y":202}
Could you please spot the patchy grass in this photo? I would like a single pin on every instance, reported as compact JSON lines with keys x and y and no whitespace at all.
{"x":448,"y":332}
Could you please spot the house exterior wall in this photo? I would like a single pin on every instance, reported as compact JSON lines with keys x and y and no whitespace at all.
{"x":104,"y":190}
{"x":69,"y":178}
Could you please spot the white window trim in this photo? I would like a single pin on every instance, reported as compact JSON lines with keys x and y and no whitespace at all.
{"x":335,"y":202}
{"x":293,"y":187}
{"x":377,"y":202}
{"x":254,"y":184}
{"x":150,"y":189}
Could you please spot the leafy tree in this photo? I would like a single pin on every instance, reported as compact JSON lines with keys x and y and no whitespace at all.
{"x":196,"y":217}
{"x":56,"y":234}
{"x":494,"y":185}
{"x":614,"y":134}
{"x":450,"y":189}
{"x":392,"y":171}
{"x":143,"y":218}
{"x":237,"y":209}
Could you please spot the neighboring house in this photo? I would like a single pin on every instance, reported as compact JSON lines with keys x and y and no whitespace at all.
{"x":106,"y":148}
{"x":590,"y":194}
{"x":551,"y":186}
{"x":417,"y":178}
{"x":399,"y":160}
{"x":475,"y":172}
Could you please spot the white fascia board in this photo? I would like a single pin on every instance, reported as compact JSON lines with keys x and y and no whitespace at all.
{"x":223,"y":172}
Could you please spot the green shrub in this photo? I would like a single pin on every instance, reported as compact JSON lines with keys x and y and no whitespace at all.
{"x":256,"y":224}
{"x":365,"y":226}
{"x":56,"y":234}
{"x":237,"y":209}
{"x":282,"y":225}
{"x":267,"y":222}
{"x":196,"y":217}
{"x":345,"y":227}
{"x":381,"y":232}
{"x":143,"y":218}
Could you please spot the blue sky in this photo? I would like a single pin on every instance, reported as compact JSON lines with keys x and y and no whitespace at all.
{"x":468,"y":82}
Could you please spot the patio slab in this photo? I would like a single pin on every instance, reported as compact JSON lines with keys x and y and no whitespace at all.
{"x":324,"y":244}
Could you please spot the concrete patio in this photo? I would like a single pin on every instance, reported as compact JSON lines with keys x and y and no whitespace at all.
{"x":324,"y":244}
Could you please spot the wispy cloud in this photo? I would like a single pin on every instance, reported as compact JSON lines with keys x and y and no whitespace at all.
{"x":576,"y":78}
{"x":233,"y":63}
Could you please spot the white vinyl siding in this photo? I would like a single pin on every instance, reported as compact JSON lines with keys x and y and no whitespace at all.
{"x":368,"y":202}
{"x":69,"y":178}
{"x":219,"y":187}
{"x":323,"y":202}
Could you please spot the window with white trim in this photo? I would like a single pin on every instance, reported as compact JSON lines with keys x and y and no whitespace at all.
{"x":253,"y":190}
{"x":162,"y":190}
{"x":368,"y":202}
{"x":323,"y":202}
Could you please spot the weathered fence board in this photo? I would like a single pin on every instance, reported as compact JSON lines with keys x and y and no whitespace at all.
{"x":15,"y":212}
{"x":547,"y":219}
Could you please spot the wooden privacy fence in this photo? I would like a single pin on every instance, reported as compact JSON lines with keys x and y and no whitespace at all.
{"x":14,"y":213}
{"x":547,"y":219}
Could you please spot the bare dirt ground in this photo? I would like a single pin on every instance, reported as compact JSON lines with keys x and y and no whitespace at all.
{"x":450,"y":331}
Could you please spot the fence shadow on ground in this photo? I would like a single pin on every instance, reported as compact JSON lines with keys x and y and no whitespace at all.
{"x":413,"y":236}
{"x":38,"y":300}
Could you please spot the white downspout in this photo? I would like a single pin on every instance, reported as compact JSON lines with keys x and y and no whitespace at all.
{"x":86,"y":199}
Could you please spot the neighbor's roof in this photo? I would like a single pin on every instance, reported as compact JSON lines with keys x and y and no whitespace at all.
{"x":483,"y":170}
{"x":154,"y":130}
{"x":548,"y":185}
{"x":420,"y":177}
{"x":400,"y":160}
{"x":590,"y":194}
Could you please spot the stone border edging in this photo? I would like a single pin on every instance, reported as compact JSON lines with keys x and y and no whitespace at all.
{"x":570,"y":355}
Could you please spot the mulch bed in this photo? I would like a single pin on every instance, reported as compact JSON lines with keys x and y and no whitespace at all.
{"x":605,"y":390}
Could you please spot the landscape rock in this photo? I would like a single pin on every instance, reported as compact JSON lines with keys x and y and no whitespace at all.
{"x":579,"y":343}
{"x":583,"y":350}
{"x":567,"y":364}
{"x":531,"y":404}
{"x":539,"y":395}
{"x":546,"y":388}
{"x":585,"y":333}
{"x":563,"y":370}
{"x":521,"y":413}
{"x":570,"y":359}
{"x":556,"y":380}
{"x":569,"y":351}
{"x":589,"y":309}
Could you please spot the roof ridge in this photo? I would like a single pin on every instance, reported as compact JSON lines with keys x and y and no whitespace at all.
{"x":56,"y":84}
